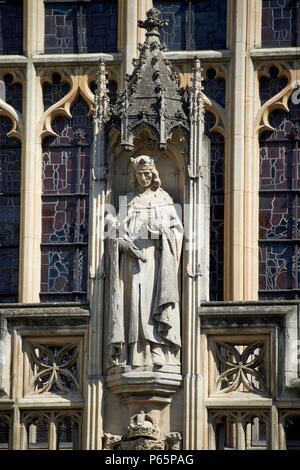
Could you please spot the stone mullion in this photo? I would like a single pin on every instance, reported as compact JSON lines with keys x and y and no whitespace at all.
{"x":30,"y":226}
{"x":212,"y":434}
{"x":251,"y":168}
{"x":240,"y":426}
{"x":24,"y":437}
{"x":30,"y":223}
{"x":34,"y":27}
{"x":128,"y":16}
{"x":234,"y":161}
{"x":98,"y":194}
{"x":17,"y":431}
{"x":281,"y":432}
{"x":53,"y":431}
{"x":196,"y":281}
{"x":273,"y":429}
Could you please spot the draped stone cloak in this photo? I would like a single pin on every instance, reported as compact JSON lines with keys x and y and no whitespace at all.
{"x":145,"y":295}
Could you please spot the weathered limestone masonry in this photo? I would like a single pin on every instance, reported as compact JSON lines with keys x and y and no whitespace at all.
{"x":146,"y":360}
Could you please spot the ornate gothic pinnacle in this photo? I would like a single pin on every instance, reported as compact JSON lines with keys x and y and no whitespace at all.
{"x":153,"y":21}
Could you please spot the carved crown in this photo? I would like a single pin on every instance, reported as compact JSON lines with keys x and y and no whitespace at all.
{"x":143,"y":163}
{"x":142,"y":425}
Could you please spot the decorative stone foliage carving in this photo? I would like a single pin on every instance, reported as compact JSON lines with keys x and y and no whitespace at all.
{"x":143,"y":434}
{"x":55,"y":368}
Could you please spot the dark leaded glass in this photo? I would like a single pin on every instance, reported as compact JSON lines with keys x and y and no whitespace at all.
{"x":214,"y":88}
{"x":65,"y":434}
{"x":277,"y":270}
{"x":66,"y":168}
{"x":13,"y":92}
{"x":80,"y":27}
{"x":112,"y":89}
{"x":64,"y":273}
{"x":216,"y":209}
{"x":65,"y":220}
{"x":280,"y":23}
{"x":100,"y":27}
{"x":11,"y":27}
{"x":194,"y":25}
{"x":61,"y":28}
{"x":68,"y":434}
{"x":38,"y":438}
{"x":10,"y":167}
{"x":4,"y":433}
{"x":55,"y":91}
{"x":270,"y":86}
{"x":279,"y":223}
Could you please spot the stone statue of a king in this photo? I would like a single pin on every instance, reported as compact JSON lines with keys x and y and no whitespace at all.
{"x":144,"y":315}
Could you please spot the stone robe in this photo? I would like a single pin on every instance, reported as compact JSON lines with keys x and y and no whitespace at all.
{"x":144,"y":311}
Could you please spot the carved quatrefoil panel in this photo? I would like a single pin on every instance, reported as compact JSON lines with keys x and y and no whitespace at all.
{"x":55,"y":368}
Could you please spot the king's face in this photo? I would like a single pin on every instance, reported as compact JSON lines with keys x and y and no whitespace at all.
{"x":144,"y":178}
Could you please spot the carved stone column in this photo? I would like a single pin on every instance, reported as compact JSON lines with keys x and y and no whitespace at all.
{"x":196,"y":261}
{"x":94,"y":390}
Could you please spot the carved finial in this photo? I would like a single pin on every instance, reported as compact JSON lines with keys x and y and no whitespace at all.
{"x":101,"y":97}
{"x":197,"y":63}
{"x":153,"y":21}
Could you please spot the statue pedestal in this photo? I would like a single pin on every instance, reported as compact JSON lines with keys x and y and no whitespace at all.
{"x":148,"y":386}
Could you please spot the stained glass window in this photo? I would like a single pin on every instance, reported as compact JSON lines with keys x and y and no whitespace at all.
{"x":80,"y":26}
{"x":280,"y":23}
{"x":215,"y":89}
{"x":279,"y":211}
{"x":270,"y":86}
{"x":193,"y":25}
{"x":11,"y":27}
{"x":66,"y":164}
{"x":10,"y":168}
{"x":216,"y":209}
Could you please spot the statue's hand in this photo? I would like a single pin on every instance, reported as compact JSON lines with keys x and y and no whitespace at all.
{"x":129,"y":247}
{"x":111,"y":220}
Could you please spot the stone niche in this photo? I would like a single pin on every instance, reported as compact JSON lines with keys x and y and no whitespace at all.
{"x":148,"y":381}
{"x":151,"y":184}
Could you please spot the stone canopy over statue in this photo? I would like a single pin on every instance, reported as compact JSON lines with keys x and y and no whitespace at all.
{"x":144,"y":316}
